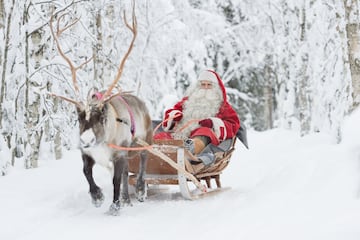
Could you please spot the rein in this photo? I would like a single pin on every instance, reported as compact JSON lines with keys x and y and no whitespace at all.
{"x":130,"y":148}
{"x":187,"y":124}
{"x":166,"y":120}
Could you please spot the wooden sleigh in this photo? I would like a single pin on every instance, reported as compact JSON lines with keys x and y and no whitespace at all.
{"x":168,"y":165}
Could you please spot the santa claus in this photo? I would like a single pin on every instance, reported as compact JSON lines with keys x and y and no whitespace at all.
{"x":203,"y":115}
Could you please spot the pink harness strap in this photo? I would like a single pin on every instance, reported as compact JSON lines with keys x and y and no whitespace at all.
{"x":99,"y":96}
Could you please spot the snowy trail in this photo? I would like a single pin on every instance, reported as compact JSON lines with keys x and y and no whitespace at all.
{"x":284,"y":187}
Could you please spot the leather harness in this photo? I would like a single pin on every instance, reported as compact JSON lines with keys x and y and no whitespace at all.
{"x":99,"y":96}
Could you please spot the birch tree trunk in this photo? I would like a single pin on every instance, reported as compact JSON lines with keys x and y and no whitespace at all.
{"x":5,"y":27}
{"x":352,"y":33}
{"x":303,"y":84}
{"x":286,"y":85}
{"x":3,"y":163}
{"x":109,"y":30}
{"x":52,"y":130}
{"x":32,"y":106}
{"x":57,"y":138}
{"x":5,"y":60}
{"x":98,"y":60}
{"x":268,"y":94}
{"x":2,"y":14}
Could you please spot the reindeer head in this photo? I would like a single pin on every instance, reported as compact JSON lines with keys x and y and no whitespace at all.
{"x":92,"y":120}
{"x":92,"y":112}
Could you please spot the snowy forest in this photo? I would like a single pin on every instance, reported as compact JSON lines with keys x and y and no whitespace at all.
{"x":286,"y":64}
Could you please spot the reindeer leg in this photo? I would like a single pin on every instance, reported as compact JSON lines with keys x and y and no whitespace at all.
{"x":96,"y":194}
{"x":140,"y":190}
{"x":125,"y":198}
{"x":119,"y":165}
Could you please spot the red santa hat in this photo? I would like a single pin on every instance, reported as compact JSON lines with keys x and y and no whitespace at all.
{"x":208,"y":76}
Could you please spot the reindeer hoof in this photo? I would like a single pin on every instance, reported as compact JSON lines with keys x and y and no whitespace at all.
{"x":141,"y":193}
{"x":97,"y":198}
{"x":141,"y":197}
{"x":114,"y":209}
{"x":126,"y":202}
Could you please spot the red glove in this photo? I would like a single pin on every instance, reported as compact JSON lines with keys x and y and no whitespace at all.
{"x":206,"y":123}
{"x":172,"y":116}
{"x":178,"y":117}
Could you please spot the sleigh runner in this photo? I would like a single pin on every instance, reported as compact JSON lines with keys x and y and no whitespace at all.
{"x":168,"y":164}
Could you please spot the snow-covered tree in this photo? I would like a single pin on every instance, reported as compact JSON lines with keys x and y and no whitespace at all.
{"x":289,"y":64}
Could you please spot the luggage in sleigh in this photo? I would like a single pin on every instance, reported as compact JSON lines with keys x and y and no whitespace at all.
{"x":168,"y":164}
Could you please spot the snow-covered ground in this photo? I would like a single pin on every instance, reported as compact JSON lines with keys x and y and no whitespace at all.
{"x":283,"y":187}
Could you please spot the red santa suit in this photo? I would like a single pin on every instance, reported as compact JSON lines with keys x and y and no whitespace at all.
{"x":202,"y":113}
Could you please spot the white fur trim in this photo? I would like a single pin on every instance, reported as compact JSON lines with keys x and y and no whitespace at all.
{"x":170,"y":120}
{"x":219,"y":128}
{"x":208,"y":76}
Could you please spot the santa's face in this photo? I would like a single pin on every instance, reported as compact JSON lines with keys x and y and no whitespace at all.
{"x":205,"y":92}
{"x":206,"y":84}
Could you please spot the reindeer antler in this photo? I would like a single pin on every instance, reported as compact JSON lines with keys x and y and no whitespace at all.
{"x":76,"y":103}
{"x":73,"y":69}
{"x":133,"y":29}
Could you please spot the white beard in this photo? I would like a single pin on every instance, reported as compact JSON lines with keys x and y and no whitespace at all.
{"x":201,"y":104}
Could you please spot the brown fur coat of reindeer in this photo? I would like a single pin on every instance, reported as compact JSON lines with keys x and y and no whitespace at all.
{"x":104,"y":119}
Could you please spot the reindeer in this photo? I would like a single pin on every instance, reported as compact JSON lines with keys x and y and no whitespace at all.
{"x":105,"y":119}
